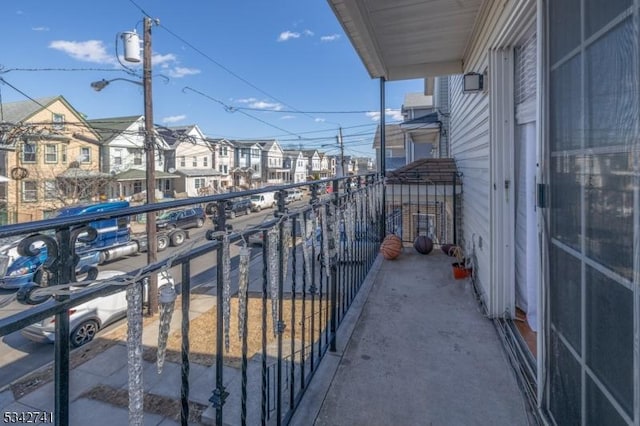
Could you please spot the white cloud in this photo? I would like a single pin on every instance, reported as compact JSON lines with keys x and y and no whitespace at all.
{"x":287,"y":117}
{"x":179,"y":72}
{"x":287,"y":35}
{"x":86,"y":51}
{"x":332,"y":37}
{"x":158,"y":59}
{"x":273,"y":106}
{"x":174,"y":118}
{"x":40,"y":29}
{"x":308,"y":33}
{"x":394,"y":114}
{"x":319,"y":120}
{"x":255,"y":103}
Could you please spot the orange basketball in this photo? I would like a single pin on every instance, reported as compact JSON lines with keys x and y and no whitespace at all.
{"x":391,"y":247}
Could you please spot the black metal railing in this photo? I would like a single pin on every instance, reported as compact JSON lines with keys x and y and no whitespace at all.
{"x":421,"y":204}
{"x":323,"y":252}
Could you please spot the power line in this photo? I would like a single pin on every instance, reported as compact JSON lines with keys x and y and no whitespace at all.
{"x":220,"y":65}
{"x":303,"y":112}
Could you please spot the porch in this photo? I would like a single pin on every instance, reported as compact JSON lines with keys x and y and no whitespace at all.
{"x":320,"y":329}
{"x":413,"y":348}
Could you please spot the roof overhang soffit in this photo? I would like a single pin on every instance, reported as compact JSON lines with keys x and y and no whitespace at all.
{"x":400,"y":40}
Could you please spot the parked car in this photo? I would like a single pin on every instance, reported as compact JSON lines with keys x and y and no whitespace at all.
{"x":238,"y":207}
{"x":86,"y":319}
{"x":266,"y":200}
{"x":293,"y":195}
{"x":192,"y":217}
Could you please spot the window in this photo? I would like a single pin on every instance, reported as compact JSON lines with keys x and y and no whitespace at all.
{"x":85,"y":154}
{"x":226,"y":169}
{"x":58,"y":121}
{"x":183,"y":161}
{"x":28,"y":153}
{"x":29,"y":190}
{"x":137,"y":157}
{"x":50,"y":153}
{"x":63,"y":153}
{"x":205,"y":161}
{"x":223,"y":151}
{"x":194,"y":161}
{"x":255,"y":153}
{"x":117,"y":157}
{"x":199,"y":183}
{"x":50,"y":190}
{"x":137,"y":187}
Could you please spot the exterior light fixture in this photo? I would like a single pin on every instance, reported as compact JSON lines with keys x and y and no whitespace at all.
{"x":101,"y":84}
{"x":473,"y":82}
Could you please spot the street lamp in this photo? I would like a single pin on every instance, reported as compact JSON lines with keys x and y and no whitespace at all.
{"x":149,"y":142}
{"x":101,"y":84}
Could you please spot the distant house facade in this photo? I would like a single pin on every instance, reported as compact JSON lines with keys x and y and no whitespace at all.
{"x":297,"y":164}
{"x":50,"y":158}
{"x":314,"y":163}
{"x":224,"y":161}
{"x":191,"y":157}
{"x":123,"y":155}
{"x":273,"y":170}
{"x":247,"y":171}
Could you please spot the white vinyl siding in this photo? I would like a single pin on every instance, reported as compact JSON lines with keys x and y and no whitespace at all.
{"x":470,"y":147}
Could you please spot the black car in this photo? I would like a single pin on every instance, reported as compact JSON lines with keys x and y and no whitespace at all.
{"x":237,"y":208}
{"x":192,"y":217}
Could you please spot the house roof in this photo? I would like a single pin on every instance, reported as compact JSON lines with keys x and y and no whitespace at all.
{"x":394,"y":138}
{"x":198,"y":172}
{"x":245,"y":144}
{"x":268,"y":144}
{"x":21,"y":111}
{"x":109,"y":128}
{"x":430,"y":170}
{"x":14,"y":112}
{"x":401,"y":40}
{"x":175,"y":135}
{"x":431,"y":118}
{"x":77,"y":173}
{"x":136,"y":174}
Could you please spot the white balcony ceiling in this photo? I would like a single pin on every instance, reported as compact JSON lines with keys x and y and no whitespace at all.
{"x":407,"y":39}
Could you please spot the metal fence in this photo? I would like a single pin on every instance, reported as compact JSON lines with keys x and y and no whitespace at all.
{"x":312,"y":263}
{"x":417,"y":205}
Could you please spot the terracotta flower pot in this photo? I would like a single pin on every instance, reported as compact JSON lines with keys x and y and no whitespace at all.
{"x":460,"y":272}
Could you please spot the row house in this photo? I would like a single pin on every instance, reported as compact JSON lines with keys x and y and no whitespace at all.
{"x":49,"y":158}
{"x":325,"y":166}
{"x":247,"y":170}
{"x":224,"y":161}
{"x":123,"y":156}
{"x":191,"y":156}
{"x":314,"y":166}
{"x":273,"y":170}
{"x":298,"y":165}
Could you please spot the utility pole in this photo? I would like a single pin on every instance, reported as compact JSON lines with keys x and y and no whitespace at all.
{"x":341,"y":144}
{"x":152,"y":242}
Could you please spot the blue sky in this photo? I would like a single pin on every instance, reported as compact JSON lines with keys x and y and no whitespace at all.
{"x":287,"y":60}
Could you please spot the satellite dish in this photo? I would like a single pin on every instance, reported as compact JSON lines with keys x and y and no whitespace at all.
{"x":171,"y":170}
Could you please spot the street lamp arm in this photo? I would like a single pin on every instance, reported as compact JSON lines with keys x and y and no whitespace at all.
{"x":101,"y":84}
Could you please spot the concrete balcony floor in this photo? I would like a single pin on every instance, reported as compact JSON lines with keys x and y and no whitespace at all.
{"x":415,"y":349}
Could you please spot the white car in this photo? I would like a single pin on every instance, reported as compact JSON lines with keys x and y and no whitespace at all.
{"x":87,"y":319}
{"x":294,"y":195}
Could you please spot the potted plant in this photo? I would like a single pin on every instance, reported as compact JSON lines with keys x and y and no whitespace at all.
{"x":460,"y":268}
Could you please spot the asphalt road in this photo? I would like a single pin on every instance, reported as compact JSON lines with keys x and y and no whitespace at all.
{"x":19,"y":356}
